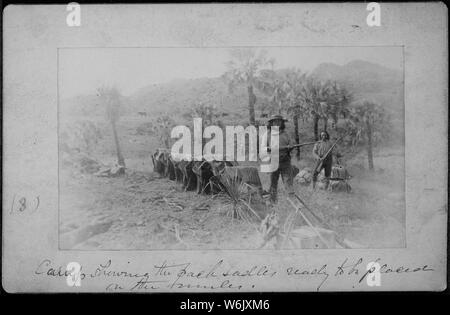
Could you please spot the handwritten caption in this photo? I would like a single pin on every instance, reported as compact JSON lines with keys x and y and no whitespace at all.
{"x":219,"y":276}
{"x":22,"y":204}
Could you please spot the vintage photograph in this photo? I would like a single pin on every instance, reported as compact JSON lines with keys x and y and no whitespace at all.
{"x":338,"y":113}
{"x":235,"y":147}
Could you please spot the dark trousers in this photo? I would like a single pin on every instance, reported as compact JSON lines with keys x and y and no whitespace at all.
{"x":285,"y":170}
{"x":326,"y":165}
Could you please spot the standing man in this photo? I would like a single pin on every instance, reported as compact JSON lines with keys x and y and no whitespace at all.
{"x":320,"y":149}
{"x":285,"y":167}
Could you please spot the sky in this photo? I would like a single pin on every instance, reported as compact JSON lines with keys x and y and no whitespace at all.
{"x":83,"y":70}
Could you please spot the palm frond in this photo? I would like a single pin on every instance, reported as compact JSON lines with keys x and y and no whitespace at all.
{"x":238,"y":192}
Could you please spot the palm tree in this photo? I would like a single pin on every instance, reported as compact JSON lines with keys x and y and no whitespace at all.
{"x":243,"y":68}
{"x":337,"y":100}
{"x":283,"y":91}
{"x":368,"y":118}
{"x":111,"y":99}
{"x":273,"y":87}
{"x":293,"y":81}
{"x":314,"y":94}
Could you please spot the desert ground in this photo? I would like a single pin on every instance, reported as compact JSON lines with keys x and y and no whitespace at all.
{"x":143,"y":211}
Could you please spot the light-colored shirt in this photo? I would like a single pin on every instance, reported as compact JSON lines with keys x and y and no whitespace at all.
{"x":321,"y":148}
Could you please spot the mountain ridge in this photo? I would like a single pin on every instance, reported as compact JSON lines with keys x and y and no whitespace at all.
{"x":366,"y":80}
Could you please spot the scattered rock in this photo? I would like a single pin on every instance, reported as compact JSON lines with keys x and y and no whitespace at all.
{"x":304,"y":177}
{"x":114,"y":171}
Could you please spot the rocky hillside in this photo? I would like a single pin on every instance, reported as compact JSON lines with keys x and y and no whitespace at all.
{"x":177,"y":96}
{"x":366,"y":80}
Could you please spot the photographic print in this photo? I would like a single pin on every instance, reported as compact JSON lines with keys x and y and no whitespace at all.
{"x":279,"y":147}
{"x":121,"y":189}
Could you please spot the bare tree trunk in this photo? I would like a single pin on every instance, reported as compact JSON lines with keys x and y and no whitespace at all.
{"x":316,"y":127}
{"x":297,"y":136}
{"x":369,"y":146}
{"x":257,"y":142}
{"x":120,"y":159}
{"x":325,"y":123}
{"x":251,"y":104}
{"x":334,"y":121}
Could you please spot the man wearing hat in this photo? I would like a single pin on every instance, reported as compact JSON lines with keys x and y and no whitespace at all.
{"x":285,"y":167}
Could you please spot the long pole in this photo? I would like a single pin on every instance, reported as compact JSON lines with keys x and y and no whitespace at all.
{"x":319,"y":163}
{"x":297,"y":210}
{"x":338,"y":238}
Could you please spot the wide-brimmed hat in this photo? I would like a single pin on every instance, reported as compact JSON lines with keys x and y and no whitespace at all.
{"x":277,"y":117}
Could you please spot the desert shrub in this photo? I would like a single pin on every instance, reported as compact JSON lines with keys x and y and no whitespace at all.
{"x":82,"y":136}
{"x":145,"y":129}
{"x":162,"y":128}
